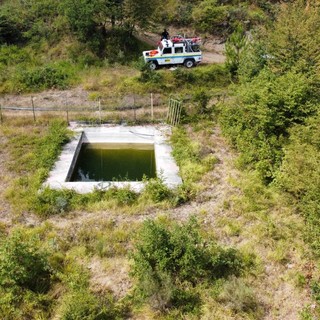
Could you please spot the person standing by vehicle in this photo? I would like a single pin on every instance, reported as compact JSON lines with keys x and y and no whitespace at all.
{"x":165,"y":35}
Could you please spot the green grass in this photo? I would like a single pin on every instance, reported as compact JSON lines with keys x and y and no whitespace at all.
{"x":193,"y":159}
{"x":34,"y":149}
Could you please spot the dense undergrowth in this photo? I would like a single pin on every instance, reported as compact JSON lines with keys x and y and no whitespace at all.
{"x":274,"y":112}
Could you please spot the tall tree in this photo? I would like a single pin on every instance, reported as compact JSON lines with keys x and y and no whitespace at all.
{"x":139,"y":13}
{"x":80,"y":14}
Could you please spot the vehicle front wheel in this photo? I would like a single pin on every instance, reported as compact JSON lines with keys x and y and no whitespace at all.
{"x":189,"y":63}
{"x":153,"y":65}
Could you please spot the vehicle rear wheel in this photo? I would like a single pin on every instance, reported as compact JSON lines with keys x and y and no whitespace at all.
{"x":153,"y":65}
{"x":189,"y":63}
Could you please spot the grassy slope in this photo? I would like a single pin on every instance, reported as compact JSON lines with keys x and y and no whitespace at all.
{"x":232,"y":206}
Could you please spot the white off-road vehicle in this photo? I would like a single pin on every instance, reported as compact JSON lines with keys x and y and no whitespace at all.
{"x":177,"y":50}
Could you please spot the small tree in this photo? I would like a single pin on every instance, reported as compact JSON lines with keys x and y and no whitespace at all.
{"x":234,"y":47}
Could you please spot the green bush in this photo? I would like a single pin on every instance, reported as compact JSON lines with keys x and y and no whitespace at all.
{"x":26,"y":276}
{"x":9,"y":32}
{"x":49,"y":201}
{"x":166,"y":258}
{"x":299,"y":175}
{"x":122,"y":196}
{"x":53,"y":76}
{"x":235,"y":46}
{"x":210,"y":16}
{"x":83,"y":304}
{"x":24,"y":264}
{"x":183,"y":76}
{"x":257,"y":121}
{"x":11,"y":55}
{"x":205,"y":76}
{"x":149,"y":76}
{"x":201,"y":98}
{"x":156,"y":189}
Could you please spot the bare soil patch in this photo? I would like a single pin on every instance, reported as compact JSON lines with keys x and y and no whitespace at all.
{"x":49,"y":99}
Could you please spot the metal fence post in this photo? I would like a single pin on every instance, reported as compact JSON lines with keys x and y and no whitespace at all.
{"x":151,"y":106}
{"x":34,"y":115}
{"x":99,"y":103}
{"x":1,"y":118}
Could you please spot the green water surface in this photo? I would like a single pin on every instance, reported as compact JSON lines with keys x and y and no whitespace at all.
{"x":107,"y":162}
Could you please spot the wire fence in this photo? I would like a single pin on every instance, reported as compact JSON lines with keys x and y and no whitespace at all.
{"x":131,"y":108}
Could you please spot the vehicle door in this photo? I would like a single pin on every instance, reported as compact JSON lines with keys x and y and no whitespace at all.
{"x":166,"y":57}
{"x":178,"y":55}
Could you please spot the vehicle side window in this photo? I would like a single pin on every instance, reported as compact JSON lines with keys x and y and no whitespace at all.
{"x":178,"y":50}
{"x":195,"y":48}
{"x":167,"y":50}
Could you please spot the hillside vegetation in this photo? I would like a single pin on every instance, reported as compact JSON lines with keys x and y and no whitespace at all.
{"x":239,"y":239}
{"x":47,"y":44}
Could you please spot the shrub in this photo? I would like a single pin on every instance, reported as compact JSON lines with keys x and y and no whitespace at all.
{"x":122,"y":196}
{"x":207,"y":77}
{"x":166,"y":259}
{"x":13,"y":55}
{"x":201,"y":98}
{"x":25,"y":277}
{"x":183,"y":76}
{"x":9,"y":32}
{"x":299,"y":175}
{"x":238,"y":296}
{"x":54,"y":76}
{"x":149,"y":76}
{"x":156,"y":189}
{"x":257,"y":122}
{"x":24,"y":264}
{"x":235,"y":46}
{"x":50,"y":201}
{"x":83,"y":304}
{"x":209,"y":16}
